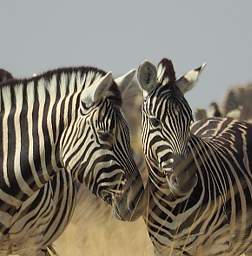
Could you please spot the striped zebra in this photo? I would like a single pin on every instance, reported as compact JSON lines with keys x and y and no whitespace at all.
{"x":59,"y":129}
{"x":63,"y":195}
{"x":200,"y":180}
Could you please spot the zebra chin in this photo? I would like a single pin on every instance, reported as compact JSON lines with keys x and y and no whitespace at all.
{"x":131,"y":205}
{"x":182,"y":184}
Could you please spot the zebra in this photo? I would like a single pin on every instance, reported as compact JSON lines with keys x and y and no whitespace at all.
{"x":199,"y":190}
{"x":213,"y":110}
{"x":63,"y":190}
{"x":58,"y":130}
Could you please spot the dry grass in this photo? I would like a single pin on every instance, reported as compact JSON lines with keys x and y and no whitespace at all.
{"x":94,"y":232}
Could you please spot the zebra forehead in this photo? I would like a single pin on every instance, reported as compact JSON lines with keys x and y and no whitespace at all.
{"x":164,"y":94}
{"x":167,"y":99}
{"x":166,"y":91}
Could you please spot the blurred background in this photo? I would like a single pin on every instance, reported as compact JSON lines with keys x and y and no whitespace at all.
{"x":118,"y":35}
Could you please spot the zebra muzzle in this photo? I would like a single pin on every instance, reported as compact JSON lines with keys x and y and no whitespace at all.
{"x":129,"y":206}
{"x":181,"y":179}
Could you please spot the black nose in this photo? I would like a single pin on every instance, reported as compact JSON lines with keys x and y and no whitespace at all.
{"x":177,"y":158}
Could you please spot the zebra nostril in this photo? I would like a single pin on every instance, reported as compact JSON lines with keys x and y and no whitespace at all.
{"x":174,"y":180}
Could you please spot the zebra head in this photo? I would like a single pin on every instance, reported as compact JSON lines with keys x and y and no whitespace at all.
{"x":98,"y":150}
{"x":166,"y":119}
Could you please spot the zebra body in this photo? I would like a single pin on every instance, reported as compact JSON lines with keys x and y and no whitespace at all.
{"x":200,"y":179}
{"x":58,"y":129}
{"x":42,"y":217}
{"x":209,"y":221}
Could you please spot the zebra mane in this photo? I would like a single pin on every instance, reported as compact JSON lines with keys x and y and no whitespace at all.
{"x":81,"y":71}
{"x":166,"y":72}
{"x":58,"y":72}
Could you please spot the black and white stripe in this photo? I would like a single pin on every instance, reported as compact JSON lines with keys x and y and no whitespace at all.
{"x":60,"y":128}
{"x":200,"y":186}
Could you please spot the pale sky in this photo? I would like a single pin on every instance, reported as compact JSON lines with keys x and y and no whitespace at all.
{"x":118,"y":35}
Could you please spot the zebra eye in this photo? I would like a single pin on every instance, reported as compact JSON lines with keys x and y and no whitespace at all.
{"x":105,"y":136}
{"x":154,"y":121}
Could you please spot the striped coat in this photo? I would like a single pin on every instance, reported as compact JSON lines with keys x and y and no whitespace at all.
{"x":58,"y":129}
{"x":200,"y":176}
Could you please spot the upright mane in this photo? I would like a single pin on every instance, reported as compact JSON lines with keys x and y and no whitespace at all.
{"x":81,"y":71}
{"x":59,"y":71}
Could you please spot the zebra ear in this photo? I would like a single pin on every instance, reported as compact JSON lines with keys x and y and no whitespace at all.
{"x":188,"y":81}
{"x":165,"y":72}
{"x":147,"y":77}
{"x":124,"y":81}
{"x":96,"y":90}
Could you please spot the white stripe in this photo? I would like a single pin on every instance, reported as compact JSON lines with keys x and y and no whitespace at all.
{"x":41,"y":97}
{"x":67,"y":140}
{"x":7,"y":107}
{"x":11,"y":200}
{"x":5,"y":219}
{"x":63,"y":83}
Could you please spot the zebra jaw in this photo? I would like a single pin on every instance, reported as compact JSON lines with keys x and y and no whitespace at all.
{"x":128,"y":205}
{"x":114,"y":195}
{"x":118,"y":193}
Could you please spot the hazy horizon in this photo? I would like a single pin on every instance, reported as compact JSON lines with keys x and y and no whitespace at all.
{"x":117,"y":36}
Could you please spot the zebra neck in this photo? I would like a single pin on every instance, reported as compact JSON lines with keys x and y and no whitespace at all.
{"x":193,"y":163}
{"x":34,"y":113}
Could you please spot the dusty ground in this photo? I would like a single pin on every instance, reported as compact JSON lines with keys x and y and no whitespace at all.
{"x":94,"y":232}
